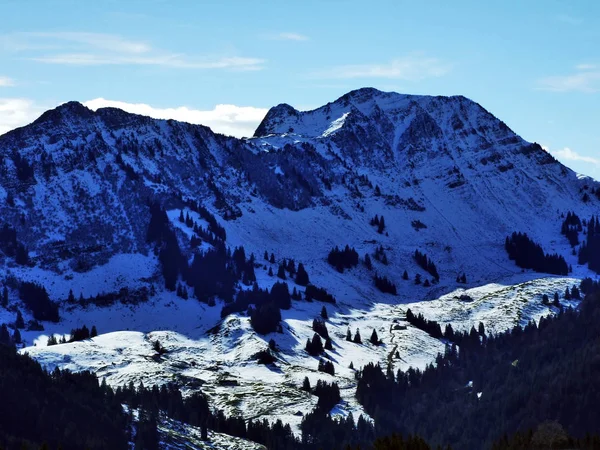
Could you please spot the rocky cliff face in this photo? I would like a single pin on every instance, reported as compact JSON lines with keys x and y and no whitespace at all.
{"x":76,"y":184}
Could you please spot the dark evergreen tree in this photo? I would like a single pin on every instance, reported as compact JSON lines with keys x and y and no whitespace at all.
{"x":4,"y":335}
{"x":19,"y":322}
{"x":381,"y":226}
{"x":314,"y":346}
{"x":326,"y":366}
{"x":302,"y":276}
{"x":306,"y":385}
{"x":324,"y":314}
{"x":368,"y":262}
{"x":281,"y":272}
{"x":320,"y":328}
{"x":357,"y":339}
{"x":374,"y":339}
{"x":16,"y":337}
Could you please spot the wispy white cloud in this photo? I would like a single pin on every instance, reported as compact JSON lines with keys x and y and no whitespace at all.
{"x":567,"y":154}
{"x":6,"y":82}
{"x":173,"y":61}
{"x":16,"y":112}
{"x":411,"y":68}
{"x":98,"y":49}
{"x":586,"y":78}
{"x":289,"y":36}
{"x":239,"y":121}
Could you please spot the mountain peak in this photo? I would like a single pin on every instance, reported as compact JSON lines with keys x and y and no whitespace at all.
{"x":276,"y":114}
{"x":68,"y":110}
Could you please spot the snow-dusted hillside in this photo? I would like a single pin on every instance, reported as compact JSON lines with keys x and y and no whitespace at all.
{"x":450,"y":179}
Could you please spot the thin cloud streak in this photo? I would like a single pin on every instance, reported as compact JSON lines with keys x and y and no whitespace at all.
{"x":585,"y":79}
{"x":98,"y":49}
{"x":571,"y":155}
{"x":409,"y":68}
{"x":173,"y":61}
{"x":290,"y":37}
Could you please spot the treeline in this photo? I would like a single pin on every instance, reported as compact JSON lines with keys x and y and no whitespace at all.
{"x":426,"y":264}
{"x":385,"y":285}
{"x":589,"y":252}
{"x":463,"y":339}
{"x":77,"y":334}
{"x":11,"y":247}
{"x":36,"y":298}
{"x":343,"y":259}
{"x":124,"y":296}
{"x":58,"y":409}
{"x":529,"y":255}
{"x":571,"y":227}
{"x":500,"y":384}
{"x":213,"y":273}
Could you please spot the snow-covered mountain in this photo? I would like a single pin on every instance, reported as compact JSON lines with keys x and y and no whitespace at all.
{"x":450,"y":179}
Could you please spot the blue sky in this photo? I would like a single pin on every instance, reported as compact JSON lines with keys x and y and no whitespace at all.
{"x":534,"y":64}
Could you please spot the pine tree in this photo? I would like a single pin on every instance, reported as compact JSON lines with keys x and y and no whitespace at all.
{"x":16,"y":338}
{"x":328,"y":344}
{"x":374,"y":338}
{"x":270,"y":271}
{"x":94,"y":331}
{"x":272,"y":260}
{"x":368,"y":262}
{"x":567,"y":293}
{"x":357,"y":339}
{"x":306,"y":385}
{"x":19,"y":322}
{"x":348,"y":335}
{"x":324,"y":314}
{"x":4,"y":335}
{"x":52,"y":340}
{"x":71,"y":298}
{"x":381,"y":226}
{"x":405,"y":275}
{"x":281,"y":272}
{"x":266,"y":256}
{"x":181,"y":218}
{"x":302,"y":276}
